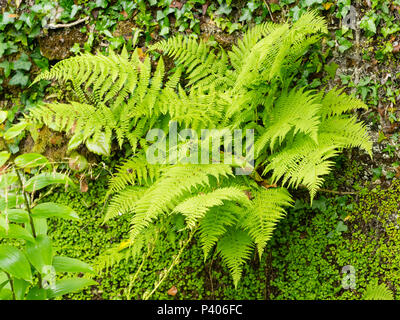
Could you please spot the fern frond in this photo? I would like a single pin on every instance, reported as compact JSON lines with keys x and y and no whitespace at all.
{"x":310,"y":22}
{"x":214,"y":224}
{"x":241,"y":51}
{"x":335,"y":102}
{"x":345,"y":132}
{"x":175,"y":181}
{"x":194,"y":208}
{"x":135,"y":171}
{"x":235,"y":248}
{"x":377,"y":292}
{"x":295,"y":110}
{"x":266,"y":209}
{"x":195,"y":56}
{"x":124,"y":202}
{"x":302,"y":162}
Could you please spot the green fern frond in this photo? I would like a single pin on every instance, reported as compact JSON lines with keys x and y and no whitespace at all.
{"x":302,"y":162}
{"x":235,"y":248}
{"x":345,"y":132}
{"x":309,"y":22}
{"x":214,"y":224}
{"x":241,"y":51}
{"x":297,"y":110}
{"x":135,"y":171}
{"x":194,"y":55}
{"x":266,"y":209}
{"x":377,"y":292}
{"x":194,"y":208}
{"x":124,"y":202}
{"x":163,"y":195}
{"x":335,"y":102}
{"x":126,"y":250}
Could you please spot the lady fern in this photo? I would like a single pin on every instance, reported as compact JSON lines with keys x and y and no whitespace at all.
{"x":118,"y":98}
{"x":298,"y":131}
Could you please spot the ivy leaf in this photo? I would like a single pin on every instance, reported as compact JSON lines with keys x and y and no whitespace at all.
{"x":101,"y":3}
{"x":246,"y":16}
{"x":19,"y":79}
{"x":7,"y":67}
{"x":7,"y":18}
{"x":164,"y":31}
{"x":223,"y":9}
{"x":341,"y":227}
{"x":331,"y":69}
{"x":311,"y":2}
{"x":22,"y":63}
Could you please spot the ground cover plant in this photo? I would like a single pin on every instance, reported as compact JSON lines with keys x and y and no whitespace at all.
{"x":184,"y":225}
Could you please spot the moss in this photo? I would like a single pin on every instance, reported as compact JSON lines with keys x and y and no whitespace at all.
{"x":56,"y":44}
{"x":308,"y":253}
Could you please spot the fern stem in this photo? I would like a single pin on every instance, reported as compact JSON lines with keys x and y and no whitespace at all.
{"x":174,"y":262}
{"x":334,"y":191}
{"x":132,"y":279}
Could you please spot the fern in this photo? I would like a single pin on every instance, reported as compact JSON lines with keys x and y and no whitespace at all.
{"x":298,"y":134}
{"x":164,"y":194}
{"x":235,"y":248}
{"x":194,"y":208}
{"x":266,"y":209}
{"x":377,"y":292}
{"x":117,"y":98}
{"x":298,"y":131}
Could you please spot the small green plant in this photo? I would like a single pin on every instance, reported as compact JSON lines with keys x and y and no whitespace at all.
{"x":28,"y":261}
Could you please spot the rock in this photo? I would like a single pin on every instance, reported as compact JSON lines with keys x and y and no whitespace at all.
{"x":56,"y":44}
